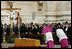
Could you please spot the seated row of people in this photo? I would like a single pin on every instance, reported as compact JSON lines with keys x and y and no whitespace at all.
{"x":35,"y":28}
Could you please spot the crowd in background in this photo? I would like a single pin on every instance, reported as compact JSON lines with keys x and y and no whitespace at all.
{"x":31,"y":28}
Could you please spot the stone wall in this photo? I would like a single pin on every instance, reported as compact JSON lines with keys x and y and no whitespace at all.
{"x":52,"y":11}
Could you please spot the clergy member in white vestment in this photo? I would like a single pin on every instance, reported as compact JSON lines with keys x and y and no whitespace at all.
{"x":63,"y":39}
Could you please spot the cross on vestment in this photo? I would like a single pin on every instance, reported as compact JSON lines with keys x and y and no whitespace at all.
{"x":11,"y":17}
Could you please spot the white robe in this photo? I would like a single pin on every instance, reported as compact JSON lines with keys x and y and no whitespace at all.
{"x":48,"y":37}
{"x":61,"y":34}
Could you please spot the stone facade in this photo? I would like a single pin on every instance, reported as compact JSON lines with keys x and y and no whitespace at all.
{"x":52,"y":11}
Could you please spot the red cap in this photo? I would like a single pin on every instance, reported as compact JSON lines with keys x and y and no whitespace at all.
{"x":17,"y":12}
